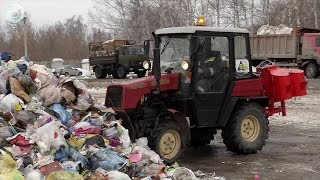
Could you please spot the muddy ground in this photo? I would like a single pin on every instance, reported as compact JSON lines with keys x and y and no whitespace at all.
{"x":292,"y":150}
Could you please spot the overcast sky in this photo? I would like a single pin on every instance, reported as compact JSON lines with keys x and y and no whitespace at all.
{"x":48,"y":11}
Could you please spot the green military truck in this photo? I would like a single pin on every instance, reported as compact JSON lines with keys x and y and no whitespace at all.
{"x":118,"y":58}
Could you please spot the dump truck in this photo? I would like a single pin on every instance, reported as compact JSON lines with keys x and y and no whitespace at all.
{"x":203,"y":82}
{"x":300,"y":49}
{"x":118,"y":58}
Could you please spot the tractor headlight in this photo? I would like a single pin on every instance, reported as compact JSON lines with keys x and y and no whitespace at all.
{"x":185,"y":65}
{"x":146,"y":65}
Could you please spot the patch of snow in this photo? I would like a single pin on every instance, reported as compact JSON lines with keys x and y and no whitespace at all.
{"x":271,"y":30}
{"x":302,"y":112}
{"x":85,"y":73}
{"x":84,"y":61}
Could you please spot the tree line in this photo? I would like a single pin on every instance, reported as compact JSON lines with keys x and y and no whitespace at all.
{"x":137,"y":19}
{"x":68,"y":39}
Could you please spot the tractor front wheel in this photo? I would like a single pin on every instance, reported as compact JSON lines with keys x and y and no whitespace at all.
{"x":167,"y":141}
{"x":247,"y":130}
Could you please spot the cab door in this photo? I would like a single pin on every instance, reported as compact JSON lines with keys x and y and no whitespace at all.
{"x":212,"y":78}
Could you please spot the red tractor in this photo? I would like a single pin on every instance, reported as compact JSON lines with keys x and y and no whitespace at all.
{"x":203,"y":82}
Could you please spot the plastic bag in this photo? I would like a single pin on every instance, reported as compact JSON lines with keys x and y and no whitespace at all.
{"x":183,"y":173}
{"x":24,"y":117}
{"x":18,"y":90}
{"x":116,"y":175}
{"x":68,"y":92}
{"x":49,"y":136}
{"x":107,"y":160}
{"x":50,"y":94}
{"x":11,"y":103}
{"x":34,"y":175}
{"x":4,"y":76}
{"x":8,"y":169}
{"x":64,"y":175}
{"x":63,"y":115}
{"x":141,"y":146}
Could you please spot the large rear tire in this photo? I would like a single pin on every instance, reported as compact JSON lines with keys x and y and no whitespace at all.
{"x":247,"y":130}
{"x":311,"y":70}
{"x":167,"y":140}
{"x":100,"y":73}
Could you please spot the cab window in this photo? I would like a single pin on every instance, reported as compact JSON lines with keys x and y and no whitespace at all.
{"x":242,"y":63}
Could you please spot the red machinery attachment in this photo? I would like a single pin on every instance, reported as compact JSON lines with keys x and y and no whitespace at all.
{"x":280,"y":84}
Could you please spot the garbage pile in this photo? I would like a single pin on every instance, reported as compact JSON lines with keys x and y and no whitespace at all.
{"x":271,"y":30}
{"x":50,"y":129}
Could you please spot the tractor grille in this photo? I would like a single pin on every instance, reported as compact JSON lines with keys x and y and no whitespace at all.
{"x":114,"y":97}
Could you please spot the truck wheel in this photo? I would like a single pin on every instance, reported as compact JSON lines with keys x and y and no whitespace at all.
{"x":247,"y":130}
{"x":100,"y":73}
{"x":202,"y":136}
{"x":141,"y":74}
{"x":311,"y":70}
{"x":67,"y":74}
{"x":80,"y":74}
{"x":167,"y":140}
{"x":121,"y":72}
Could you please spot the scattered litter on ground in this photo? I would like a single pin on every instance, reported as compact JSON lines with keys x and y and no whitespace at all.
{"x":51,"y":129}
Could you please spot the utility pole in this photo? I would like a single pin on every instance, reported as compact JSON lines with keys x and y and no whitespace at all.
{"x":25,"y":37}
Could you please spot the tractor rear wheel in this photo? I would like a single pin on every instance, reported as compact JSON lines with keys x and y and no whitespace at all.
{"x":247,"y":130}
{"x":167,"y":140}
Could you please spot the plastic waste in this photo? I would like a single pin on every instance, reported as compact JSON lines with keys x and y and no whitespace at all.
{"x":50,"y":168}
{"x":96,"y":140}
{"x":71,"y":166}
{"x":4,"y":76}
{"x":116,"y":175}
{"x":88,"y":130}
{"x":141,"y":146}
{"x":11,"y":103}
{"x":68,"y":92}
{"x":18,"y":90}
{"x":76,"y":141}
{"x":49,"y":135}
{"x":34,"y":175}
{"x":107,"y":159}
{"x":63,"y":115}
{"x":77,"y":156}
{"x":183,"y":173}
{"x":50,"y":94}
{"x":64,"y":175}
{"x":8,"y":169}
{"x":24,"y":117}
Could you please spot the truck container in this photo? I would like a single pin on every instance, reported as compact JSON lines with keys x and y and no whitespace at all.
{"x":299,"y":49}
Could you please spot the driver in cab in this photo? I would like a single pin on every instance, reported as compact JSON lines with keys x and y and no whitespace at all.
{"x":209,"y":70}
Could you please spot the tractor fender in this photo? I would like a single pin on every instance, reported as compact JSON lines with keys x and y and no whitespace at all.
{"x":126,"y":123}
{"x":183,"y":123}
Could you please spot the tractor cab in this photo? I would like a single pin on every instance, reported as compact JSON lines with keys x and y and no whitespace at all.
{"x":208,"y":60}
